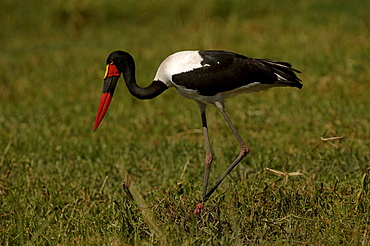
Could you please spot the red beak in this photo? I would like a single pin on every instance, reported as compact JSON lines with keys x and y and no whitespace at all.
{"x":110,"y":81}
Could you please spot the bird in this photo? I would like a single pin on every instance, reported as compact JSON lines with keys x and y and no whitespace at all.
{"x":207,"y":77}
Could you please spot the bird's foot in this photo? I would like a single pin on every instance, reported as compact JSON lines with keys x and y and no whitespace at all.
{"x":198,"y":209}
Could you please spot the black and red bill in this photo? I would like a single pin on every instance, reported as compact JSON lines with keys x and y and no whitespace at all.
{"x":110,"y":82}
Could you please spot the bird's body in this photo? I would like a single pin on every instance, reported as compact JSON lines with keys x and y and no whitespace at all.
{"x":207,"y":77}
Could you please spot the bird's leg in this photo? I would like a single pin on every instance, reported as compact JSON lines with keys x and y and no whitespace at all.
{"x":208,"y":159}
{"x":243,"y":152}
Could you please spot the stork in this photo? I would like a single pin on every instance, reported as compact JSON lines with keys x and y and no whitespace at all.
{"x":207,"y":77}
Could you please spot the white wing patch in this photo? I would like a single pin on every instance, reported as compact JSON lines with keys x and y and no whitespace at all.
{"x":176,"y":63}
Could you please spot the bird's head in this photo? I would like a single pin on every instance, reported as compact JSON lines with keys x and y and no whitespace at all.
{"x":113,"y":71}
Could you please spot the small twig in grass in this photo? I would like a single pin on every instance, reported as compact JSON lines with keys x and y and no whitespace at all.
{"x":330,"y":139}
{"x":279,"y":173}
{"x":285,"y":175}
{"x":322,"y":139}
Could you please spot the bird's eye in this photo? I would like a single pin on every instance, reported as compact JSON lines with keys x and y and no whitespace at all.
{"x":111,"y":62}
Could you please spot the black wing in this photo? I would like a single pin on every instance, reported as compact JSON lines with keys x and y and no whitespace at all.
{"x":224,"y":71}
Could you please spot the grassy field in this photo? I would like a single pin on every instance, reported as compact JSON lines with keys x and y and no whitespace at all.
{"x":136,"y":180}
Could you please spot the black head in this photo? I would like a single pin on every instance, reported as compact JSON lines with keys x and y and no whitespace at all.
{"x":119,"y":58}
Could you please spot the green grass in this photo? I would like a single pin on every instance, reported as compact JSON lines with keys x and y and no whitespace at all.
{"x":61,"y":184}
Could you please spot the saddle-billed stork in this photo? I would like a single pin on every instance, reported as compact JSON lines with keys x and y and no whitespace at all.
{"x":207,"y":77}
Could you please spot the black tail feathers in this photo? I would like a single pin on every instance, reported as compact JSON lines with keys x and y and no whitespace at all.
{"x":286,"y":74}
